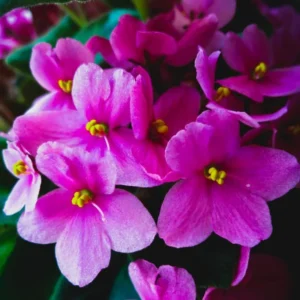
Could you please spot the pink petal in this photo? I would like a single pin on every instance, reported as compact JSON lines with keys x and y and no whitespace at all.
{"x":52,"y":213}
{"x":206,"y":68}
{"x":76,"y":169}
{"x":184,"y":219}
{"x":237,"y":55}
{"x":258,"y":43}
{"x":143,"y":275}
{"x":128,"y":224}
{"x":239,"y":216}
{"x":199,"y":33}
{"x":123,"y":39}
{"x":187,"y":145}
{"x":242,"y":266}
{"x":281,"y":82}
{"x":33,"y":130}
{"x":83,"y":249}
{"x":170,"y":105}
{"x":53,"y":101}
{"x":196,"y":6}
{"x":33,"y":194}
{"x":223,"y":10}
{"x":71,"y":55}
{"x":269,"y":173}
{"x":272,"y":116}
{"x":10,"y":157}
{"x":216,"y":43}
{"x":141,"y":103}
{"x":44,"y":67}
{"x":156,"y":43}
{"x":245,"y":86}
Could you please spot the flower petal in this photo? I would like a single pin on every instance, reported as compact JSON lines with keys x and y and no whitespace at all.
{"x":32,"y":197}
{"x":52,"y":213}
{"x":128,"y":224}
{"x":196,"y":6}
{"x":239,"y":216}
{"x":242,"y":266}
{"x":185,"y":215}
{"x":83,"y":249}
{"x":269,"y":173}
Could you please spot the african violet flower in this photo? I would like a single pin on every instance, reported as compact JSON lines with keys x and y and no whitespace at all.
{"x":16,"y":28}
{"x":54,"y":70}
{"x":102,"y":100}
{"x":131,"y":39}
{"x":225,"y":186}
{"x":86,"y":216}
{"x":26,"y":190}
{"x":251,"y":55}
{"x":262,"y":277}
{"x":155,"y":124}
{"x":222,"y":98}
{"x":163,"y":283}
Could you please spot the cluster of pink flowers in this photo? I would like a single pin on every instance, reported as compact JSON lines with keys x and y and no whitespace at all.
{"x":159,"y":116}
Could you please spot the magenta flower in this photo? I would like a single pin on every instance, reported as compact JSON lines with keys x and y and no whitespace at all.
{"x":251,"y":55}
{"x":16,"y":28}
{"x":163,"y":283}
{"x":102,"y":100}
{"x":54,"y":70}
{"x":86,"y":216}
{"x":225,"y":186}
{"x":131,"y":39}
{"x":26,"y":190}
{"x":222,"y":98}
{"x":266,"y":277}
{"x":155,"y":124}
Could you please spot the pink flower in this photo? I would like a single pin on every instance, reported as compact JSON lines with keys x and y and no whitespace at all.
{"x":163,"y":283}
{"x":100,"y":123}
{"x":86,"y":216}
{"x":266,"y":277}
{"x":54,"y":70}
{"x":225,"y":186}
{"x":155,"y":124}
{"x":26,"y":190}
{"x":16,"y":28}
{"x":131,"y":39}
{"x":222,"y":98}
{"x":251,"y":55}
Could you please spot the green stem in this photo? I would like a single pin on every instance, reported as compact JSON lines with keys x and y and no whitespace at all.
{"x":81,"y":22}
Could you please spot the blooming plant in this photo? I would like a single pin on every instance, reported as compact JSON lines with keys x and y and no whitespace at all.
{"x":149,"y":146}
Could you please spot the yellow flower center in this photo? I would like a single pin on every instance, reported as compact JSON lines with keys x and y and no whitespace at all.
{"x":96,"y":129}
{"x":222,"y":92}
{"x":160,"y":126}
{"x":260,"y":71}
{"x":19,"y":168}
{"x":294,"y":129}
{"x":82,"y":198}
{"x":215,"y":175}
{"x":66,"y":86}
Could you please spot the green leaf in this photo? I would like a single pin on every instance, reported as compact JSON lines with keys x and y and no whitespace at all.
{"x":142,"y":7}
{"x":19,"y":59}
{"x":7,"y":5}
{"x":123,"y":287}
{"x":119,"y":3}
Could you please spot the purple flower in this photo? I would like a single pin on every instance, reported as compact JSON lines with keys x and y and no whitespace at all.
{"x":86,"y":216}
{"x":163,"y":283}
{"x":225,"y":186}
{"x":251,"y":55}
{"x":102,"y":100}
{"x":222,"y":98}
{"x":155,"y":124}
{"x":54,"y":70}
{"x":16,"y":28}
{"x":26,"y":190}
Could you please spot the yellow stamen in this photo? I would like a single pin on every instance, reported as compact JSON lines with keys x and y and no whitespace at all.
{"x":222,"y":92}
{"x":294,"y":129}
{"x":19,"y":168}
{"x":66,"y":86}
{"x":96,"y":129}
{"x":215,"y":175}
{"x":160,"y":126}
{"x":260,"y":71}
{"x":82,"y":198}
